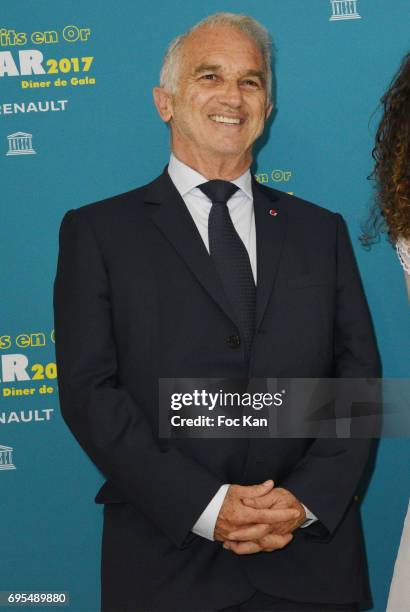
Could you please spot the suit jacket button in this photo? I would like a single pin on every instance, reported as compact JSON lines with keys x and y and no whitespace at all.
{"x":233,"y":341}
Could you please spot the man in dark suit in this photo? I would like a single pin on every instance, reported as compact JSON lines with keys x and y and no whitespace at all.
{"x":205,"y":273}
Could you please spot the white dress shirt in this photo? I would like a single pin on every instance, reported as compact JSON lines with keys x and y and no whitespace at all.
{"x":240,"y":207}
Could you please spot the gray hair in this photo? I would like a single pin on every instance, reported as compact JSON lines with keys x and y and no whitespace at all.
{"x":171,"y":64}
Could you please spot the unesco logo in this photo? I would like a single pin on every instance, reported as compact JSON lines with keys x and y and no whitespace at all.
{"x":344,"y":9}
{"x":20,"y":143}
{"x":6,"y":458}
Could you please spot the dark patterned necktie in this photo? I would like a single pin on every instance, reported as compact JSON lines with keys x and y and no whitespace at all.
{"x":231,"y":258}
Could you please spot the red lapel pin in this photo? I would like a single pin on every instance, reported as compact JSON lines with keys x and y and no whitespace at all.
{"x":273,"y":212}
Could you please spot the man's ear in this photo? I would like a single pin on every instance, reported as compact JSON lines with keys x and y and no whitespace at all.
{"x":163,"y":102}
{"x":268,"y":111}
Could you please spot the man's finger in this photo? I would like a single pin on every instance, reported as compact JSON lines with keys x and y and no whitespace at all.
{"x":263,"y":501}
{"x":270,"y":516}
{"x":253,"y":532}
{"x":274,"y":541}
{"x":243,"y":548}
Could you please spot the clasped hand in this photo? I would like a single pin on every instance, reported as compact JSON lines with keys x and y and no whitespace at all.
{"x":258,"y":518}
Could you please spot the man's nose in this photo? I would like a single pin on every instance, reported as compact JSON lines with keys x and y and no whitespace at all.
{"x":232,"y":94}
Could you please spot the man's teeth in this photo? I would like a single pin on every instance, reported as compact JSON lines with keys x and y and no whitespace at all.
{"x":222,"y":119}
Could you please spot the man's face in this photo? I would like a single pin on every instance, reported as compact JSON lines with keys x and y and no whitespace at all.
{"x":220,"y":106}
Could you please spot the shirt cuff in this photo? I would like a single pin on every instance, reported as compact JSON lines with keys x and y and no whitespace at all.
{"x":310,"y":518}
{"x":205,"y":525}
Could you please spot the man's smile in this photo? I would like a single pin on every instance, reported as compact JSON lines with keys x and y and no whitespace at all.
{"x":226,"y":120}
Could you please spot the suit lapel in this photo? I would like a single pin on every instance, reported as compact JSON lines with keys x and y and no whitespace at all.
{"x":270,"y":234}
{"x":170,"y":214}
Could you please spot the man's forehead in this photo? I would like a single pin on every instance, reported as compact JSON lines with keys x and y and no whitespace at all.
{"x":233,"y":50}
{"x":220,"y":39}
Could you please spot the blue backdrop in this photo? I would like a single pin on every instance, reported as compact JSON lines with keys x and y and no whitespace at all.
{"x":63,"y":146}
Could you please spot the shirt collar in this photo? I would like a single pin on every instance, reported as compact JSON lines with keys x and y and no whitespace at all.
{"x":185,"y":178}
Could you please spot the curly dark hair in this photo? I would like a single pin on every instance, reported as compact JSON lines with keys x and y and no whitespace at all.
{"x":391,"y":210}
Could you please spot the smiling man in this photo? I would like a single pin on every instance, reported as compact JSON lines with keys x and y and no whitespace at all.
{"x":205,"y":273}
{"x":216,"y":98}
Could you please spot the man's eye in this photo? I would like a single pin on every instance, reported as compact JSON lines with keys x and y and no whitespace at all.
{"x":209,"y":77}
{"x":251,"y":83}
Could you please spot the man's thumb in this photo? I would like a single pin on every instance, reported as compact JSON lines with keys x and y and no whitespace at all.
{"x":259,"y":489}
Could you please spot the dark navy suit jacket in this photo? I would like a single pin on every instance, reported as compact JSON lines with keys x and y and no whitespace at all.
{"x":137,"y":298}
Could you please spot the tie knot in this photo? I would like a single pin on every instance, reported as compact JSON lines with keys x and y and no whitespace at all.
{"x":218,"y":191}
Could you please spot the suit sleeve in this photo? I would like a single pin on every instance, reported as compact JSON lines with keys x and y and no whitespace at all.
{"x":102,"y":415}
{"x":326,"y":479}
